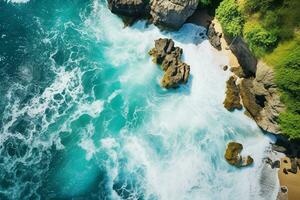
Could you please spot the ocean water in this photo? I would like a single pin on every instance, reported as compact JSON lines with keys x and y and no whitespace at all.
{"x":83,"y":115}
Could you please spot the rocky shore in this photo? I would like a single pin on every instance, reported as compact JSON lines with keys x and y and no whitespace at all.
{"x":251,"y":84}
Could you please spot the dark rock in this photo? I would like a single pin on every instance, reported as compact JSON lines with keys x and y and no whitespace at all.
{"x":214,"y":37}
{"x":293,"y":166}
{"x":172,"y":13}
{"x":233,"y":157}
{"x":130,"y":8}
{"x":232,"y":99}
{"x":166,"y":54}
{"x":245,"y":58}
{"x":275,"y":164}
{"x":284,"y":189}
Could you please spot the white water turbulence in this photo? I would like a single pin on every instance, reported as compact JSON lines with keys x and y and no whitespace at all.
{"x":103,"y":128}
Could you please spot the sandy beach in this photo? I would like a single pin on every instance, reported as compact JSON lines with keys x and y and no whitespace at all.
{"x":292,"y":181}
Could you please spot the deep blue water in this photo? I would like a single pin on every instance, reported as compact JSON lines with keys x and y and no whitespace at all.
{"x":83,"y":115}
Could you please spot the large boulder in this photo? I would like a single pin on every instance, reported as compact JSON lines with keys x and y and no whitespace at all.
{"x":261,"y":98}
{"x":172,"y":13}
{"x":175,"y":75}
{"x":232,"y":99}
{"x":130,"y":8}
{"x":214,"y":37}
{"x":233,"y":157}
{"x":168,"y":56}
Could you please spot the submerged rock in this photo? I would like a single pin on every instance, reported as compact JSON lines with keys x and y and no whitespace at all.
{"x":166,"y":54}
{"x":232,"y":99}
{"x":214,"y":37}
{"x":233,"y":157}
{"x":130,"y":8}
{"x":172,"y":13}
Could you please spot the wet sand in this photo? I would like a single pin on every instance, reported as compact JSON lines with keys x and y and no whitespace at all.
{"x":292,"y":181}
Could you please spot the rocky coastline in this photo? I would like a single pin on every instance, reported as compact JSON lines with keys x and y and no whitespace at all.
{"x":251,"y":84}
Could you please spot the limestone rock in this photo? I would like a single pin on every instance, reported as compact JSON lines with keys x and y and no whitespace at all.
{"x":232,"y":100}
{"x":172,"y":13}
{"x":166,"y":54}
{"x":261,"y":99}
{"x":233,"y":157}
{"x":130,"y":8}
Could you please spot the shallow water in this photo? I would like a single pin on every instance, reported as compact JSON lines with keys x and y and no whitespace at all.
{"x":84,"y":117}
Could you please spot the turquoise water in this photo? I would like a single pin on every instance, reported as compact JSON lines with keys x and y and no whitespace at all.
{"x":83,"y":115}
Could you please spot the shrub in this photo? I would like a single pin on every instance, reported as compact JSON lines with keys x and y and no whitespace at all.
{"x":230,"y":17}
{"x":290,"y":124}
{"x":259,"y":39}
{"x":286,"y":60}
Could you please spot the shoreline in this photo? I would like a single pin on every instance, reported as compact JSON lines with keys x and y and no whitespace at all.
{"x":291,"y":181}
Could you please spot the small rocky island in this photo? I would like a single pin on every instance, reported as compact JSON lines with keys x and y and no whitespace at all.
{"x":233,"y":157}
{"x":168,"y":56}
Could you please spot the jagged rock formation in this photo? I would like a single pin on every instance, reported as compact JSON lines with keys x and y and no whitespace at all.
{"x":214,"y":37}
{"x":232,"y":100}
{"x":130,"y":8}
{"x":172,"y":13}
{"x":166,"y":54}
{"x":167,"y":13}
{"x":233,"y":157}
{"x":261,"y":99}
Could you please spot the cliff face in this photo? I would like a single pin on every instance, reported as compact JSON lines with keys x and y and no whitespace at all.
{"x":261,"y":99}
{"x":172,"y":13}
{"x":257,"y":89}
{"x":167,"y":13}
{"x":246,"y":59}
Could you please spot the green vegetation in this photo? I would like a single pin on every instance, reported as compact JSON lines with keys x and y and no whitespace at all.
{"x":286,"y":62}
{"x":230,"y":17}
{"x":260,"y":40}
{"x":271,"y":29}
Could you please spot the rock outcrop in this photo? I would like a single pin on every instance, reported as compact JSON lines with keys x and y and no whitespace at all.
{"x":168,"y":56}
{"x":166,"y":13}
{"x":233,"y":157}
{"x":172,"y":13}
{"x":232,"y":99}
{"x":261,"y":99}
{"x":214,"y":37}
{"x":246,"y":59}
{"x":129,"y":8}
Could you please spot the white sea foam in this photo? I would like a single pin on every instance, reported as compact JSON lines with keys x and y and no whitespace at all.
{"x":18,"y":1}
{"x":191,"y":123}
